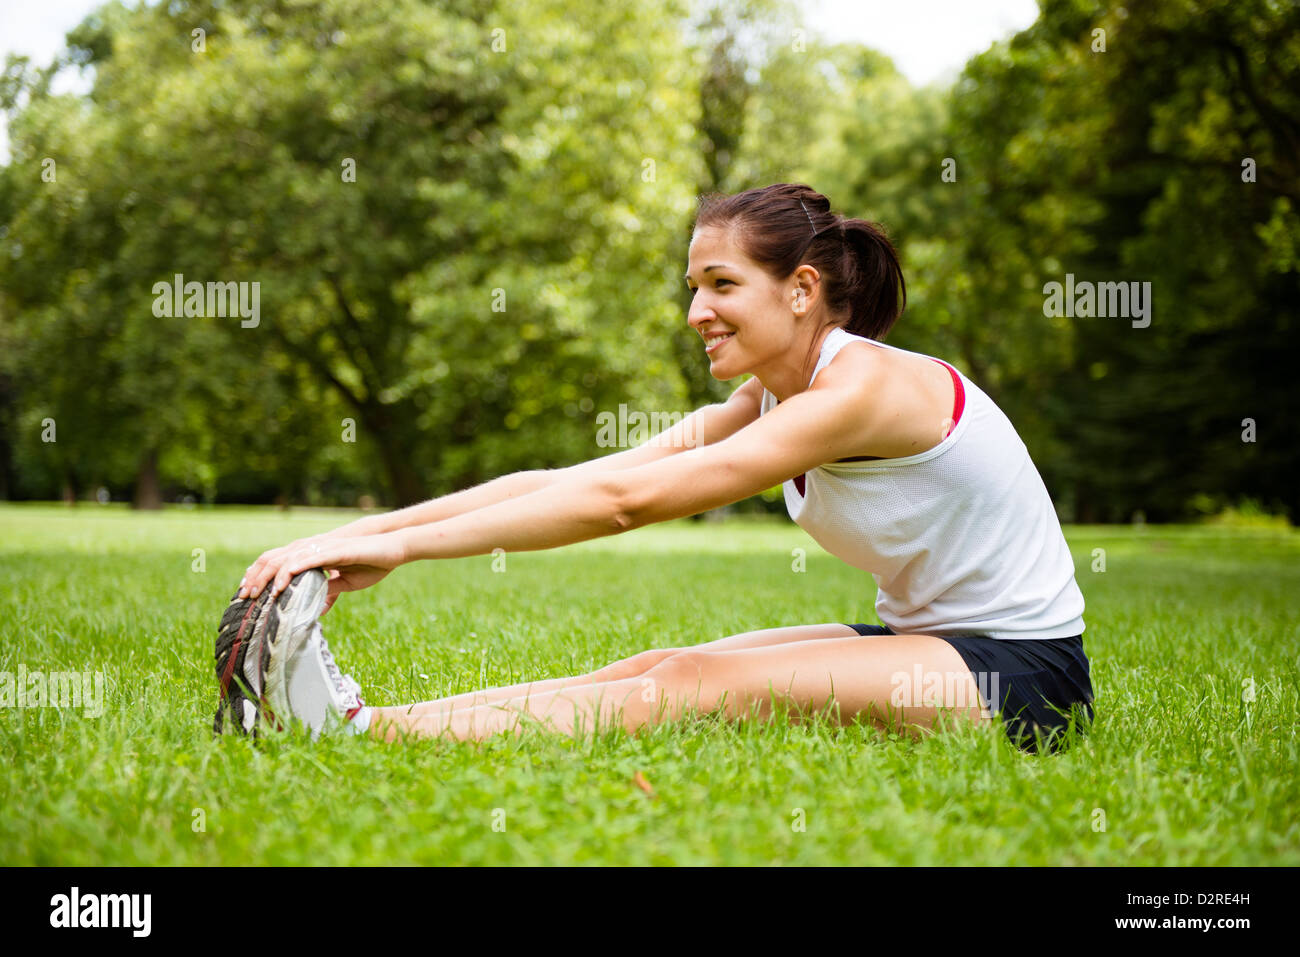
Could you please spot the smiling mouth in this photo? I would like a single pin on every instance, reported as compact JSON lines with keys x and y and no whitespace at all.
{"x":715,"y":341}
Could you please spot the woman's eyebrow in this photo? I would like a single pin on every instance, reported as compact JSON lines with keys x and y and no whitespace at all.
{"x":707,"y":268}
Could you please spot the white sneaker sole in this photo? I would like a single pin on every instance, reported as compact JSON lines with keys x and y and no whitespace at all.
{"x":308,"y":687}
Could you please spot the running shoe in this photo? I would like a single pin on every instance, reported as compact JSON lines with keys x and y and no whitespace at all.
{"x":255,"y":640}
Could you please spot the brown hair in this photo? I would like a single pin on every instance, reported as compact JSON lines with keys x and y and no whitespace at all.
{"x":784,"y":226}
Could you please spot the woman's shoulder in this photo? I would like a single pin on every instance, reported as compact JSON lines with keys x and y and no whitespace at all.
{"x":864,"y":356}
{"x":908,"y":398}
{"x":839,"y":338}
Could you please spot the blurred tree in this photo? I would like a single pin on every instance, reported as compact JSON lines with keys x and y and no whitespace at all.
{"x":468,"y":222}
{"x":456,"y":216}
{"x":105,"y":392}
{"x":1113,"y":144}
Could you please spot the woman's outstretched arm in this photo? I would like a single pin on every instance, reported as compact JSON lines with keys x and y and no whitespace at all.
{"x":708,"y":424}
{"x":821,"y":424}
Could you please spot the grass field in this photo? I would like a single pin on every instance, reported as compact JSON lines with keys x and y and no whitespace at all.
{"x":1194,"y":636}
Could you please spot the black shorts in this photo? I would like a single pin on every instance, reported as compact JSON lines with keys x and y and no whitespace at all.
{"x":1036,"y":684}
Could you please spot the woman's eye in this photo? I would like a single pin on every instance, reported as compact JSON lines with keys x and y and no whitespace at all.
{"x":694,"y":289}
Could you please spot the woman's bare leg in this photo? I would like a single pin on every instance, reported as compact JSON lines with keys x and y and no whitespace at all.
{"x":766,"y":637}
{"x":844,"y":675}
{"x":625,"y":668}
{"x":470,"y":699}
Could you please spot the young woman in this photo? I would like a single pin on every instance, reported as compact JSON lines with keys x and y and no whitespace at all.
{"x":891,"y":460}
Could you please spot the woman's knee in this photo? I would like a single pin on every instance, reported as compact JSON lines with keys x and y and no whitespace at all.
{"x":685,"y":670}
{"x":636,"y":665}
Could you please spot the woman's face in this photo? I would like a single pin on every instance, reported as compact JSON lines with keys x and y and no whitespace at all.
{"x":745,"y":316}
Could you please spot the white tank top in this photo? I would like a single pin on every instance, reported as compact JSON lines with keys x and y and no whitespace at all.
{"x":962,"y":539}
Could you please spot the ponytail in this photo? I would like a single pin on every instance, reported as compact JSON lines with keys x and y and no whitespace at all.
{"x":873,"y":280}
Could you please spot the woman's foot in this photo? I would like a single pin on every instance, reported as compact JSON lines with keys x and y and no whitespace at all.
{"x":256,"y":640}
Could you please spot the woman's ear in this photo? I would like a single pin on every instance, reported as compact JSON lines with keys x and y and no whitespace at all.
{"x":806,"y":278}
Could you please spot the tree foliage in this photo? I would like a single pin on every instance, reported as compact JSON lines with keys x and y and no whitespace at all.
{"x":468,"y":222}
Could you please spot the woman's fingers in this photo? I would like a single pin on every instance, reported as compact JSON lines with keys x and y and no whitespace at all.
{"x":262,"y":571}
{"x":251,"y":575}
{"x":267,"y":565}
{"x":363,"y":561}
{"x":256,"y":575}
{"x":313,"y":555}
{"x":276,"y":568}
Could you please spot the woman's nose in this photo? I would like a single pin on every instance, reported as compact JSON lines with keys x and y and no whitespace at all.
{"x":699,"y":312}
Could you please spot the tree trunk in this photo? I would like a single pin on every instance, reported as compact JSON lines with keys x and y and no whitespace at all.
{"x":392,"y":428}
{"x":6,"y":469}
{"x":148,"y":494}
{"x":1086,"y":511}
{"x":402,"y":477}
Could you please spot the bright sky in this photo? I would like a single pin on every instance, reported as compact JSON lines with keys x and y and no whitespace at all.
{"x":929,"y":40}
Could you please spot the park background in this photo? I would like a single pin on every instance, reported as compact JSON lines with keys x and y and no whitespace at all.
{"x":469,"y":222}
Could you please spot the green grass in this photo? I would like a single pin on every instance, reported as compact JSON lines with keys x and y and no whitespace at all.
{"x":1185,"y":771}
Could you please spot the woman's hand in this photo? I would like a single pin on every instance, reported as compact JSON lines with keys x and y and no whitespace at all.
{"x":353,"y":562}
{"x":274,"y":556}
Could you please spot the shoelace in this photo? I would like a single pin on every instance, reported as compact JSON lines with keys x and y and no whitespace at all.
{"x":346,"y":686}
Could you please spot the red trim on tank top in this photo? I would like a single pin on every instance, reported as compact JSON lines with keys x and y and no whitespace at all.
{"x":958,"y":406}
{"x":958,"y":399}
